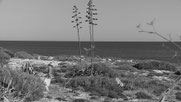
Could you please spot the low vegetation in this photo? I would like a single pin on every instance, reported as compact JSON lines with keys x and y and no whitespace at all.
{"x":24,"y":55}
{"x":178,"y":96}
{"x":142,"y":95}
{"x":17,"y":85}
{"x":155,"y":65}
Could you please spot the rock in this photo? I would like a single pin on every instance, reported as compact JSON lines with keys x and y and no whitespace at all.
{"x":161,"y":78}
{"x":47,"y":82}
{"x":118,"y":81}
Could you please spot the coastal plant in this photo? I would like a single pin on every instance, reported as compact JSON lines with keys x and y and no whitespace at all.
{"x":97,"y":69}
{"x":16,"y":85}
{"x":155,"y":32}
{"x":3,"y":58}
{"x":178,"y":96}
{"x":91,"y":12}
{"x":103,"y":86}
{"x":142,"y":95}
{"x":155,"y":65}
{"x":77,"y":21}
{"x":23,"y":55}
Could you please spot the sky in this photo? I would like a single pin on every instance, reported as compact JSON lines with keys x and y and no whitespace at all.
{"x":50,"y":20}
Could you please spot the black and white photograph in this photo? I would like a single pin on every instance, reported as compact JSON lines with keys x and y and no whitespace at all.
{"x":90,"y":50}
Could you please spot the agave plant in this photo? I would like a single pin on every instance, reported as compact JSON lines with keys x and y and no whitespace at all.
{"x":77,"y":21}
{"x":91,"y":12}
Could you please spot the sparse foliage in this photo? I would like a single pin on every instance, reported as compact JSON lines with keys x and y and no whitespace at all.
{"x":155,"y":32}
{"x":77,"y":21}
{"x":91,"y":12}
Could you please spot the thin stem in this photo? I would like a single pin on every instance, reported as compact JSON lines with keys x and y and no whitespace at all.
{"x":158,"y":34}
{"x":78,"y":35}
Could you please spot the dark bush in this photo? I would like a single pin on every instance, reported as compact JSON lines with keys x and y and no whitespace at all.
{"x":142,"y":95}
{"x":81,"y":100}
{"x":99,"y":69}
{"x":24,"y":55}
{"x":178,"y":96}
{"x":155,"y":65}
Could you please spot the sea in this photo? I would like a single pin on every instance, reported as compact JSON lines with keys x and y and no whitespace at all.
{"x":164,"y":51}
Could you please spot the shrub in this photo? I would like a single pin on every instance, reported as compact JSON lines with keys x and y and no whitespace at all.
{"x":155,"y":65}
{"x":10,"y":53}
{"x":4,"y":57}
{"x":142,"y":95}
{"x":178,"y":96}
{"x":155,"y":87}
{"x":126,"y":68}
{"x":26,"y":87}
{"x":81,"y":100}
{"x":104,"y":86}
{"x":66,"y":58}
{"x":24,"y":55}
{"x":99,"y":69}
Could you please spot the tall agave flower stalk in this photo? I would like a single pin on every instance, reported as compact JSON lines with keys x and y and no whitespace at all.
{"x":77,"y":21}
{"x":91,"y":12}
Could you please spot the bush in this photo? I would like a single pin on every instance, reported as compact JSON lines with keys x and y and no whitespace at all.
{"x":81,"y":100}
{"x":4,"y":57}
{"x":126,"y":68}
{"x":99,"y":69}
{"x":66,"y":58}
{"x":10,"y":53}
{"x":155,"y":87}
{"x":155,"y":65}
{"x":24,"y":55}
{"x":142,"y":95}
{"x":178,"y":96}
{"x":102,"y":85}
{"x":26,"y":87}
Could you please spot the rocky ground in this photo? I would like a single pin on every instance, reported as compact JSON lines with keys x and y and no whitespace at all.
{"x":76,"y":79}
{"x":143,"y":81}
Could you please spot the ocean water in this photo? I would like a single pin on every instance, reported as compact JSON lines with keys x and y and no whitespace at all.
{"x":129,"y":50}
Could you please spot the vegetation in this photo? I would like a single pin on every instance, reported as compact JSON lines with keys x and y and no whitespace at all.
{"x":155,"y":32}
{"x":155,"y":65}
{"x":91,"y":21}
{"x":142,"y":95}
{"x":24,"y":55}
{"x":77,"y":22}
{"x":178,"y":96}
{"x":99,"y":69}
{"x":16,"y":85}
{"x":104,"y":86}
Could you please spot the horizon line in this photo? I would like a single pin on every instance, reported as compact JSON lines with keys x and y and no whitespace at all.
{"x":74,"y":41}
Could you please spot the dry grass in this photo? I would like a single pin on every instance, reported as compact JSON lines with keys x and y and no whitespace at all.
{"x":19,"y":85}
